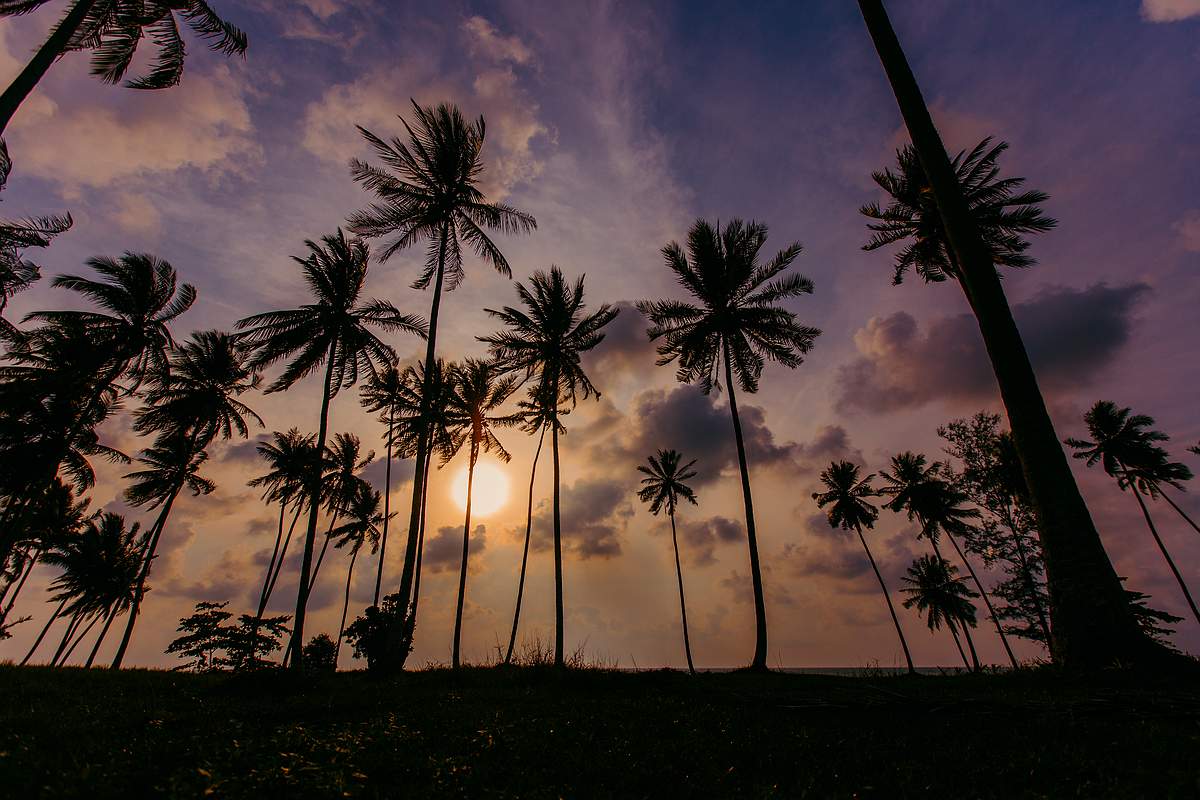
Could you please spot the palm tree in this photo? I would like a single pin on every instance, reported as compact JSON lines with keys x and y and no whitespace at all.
{"x":1092,"y":622}
{"x":937,"y":592}
{"x":478,"y":393}
{"x":849,"y":509}
{"x":55,"y":516}
{"x":547,"y":341}
{"x":340,"y":484}
{"x":428,"y":191}
{"x":1126,"y":447}
{"x":334,"y":331}
{"x":112,"y":30}
{"x":661,"y":488}
{"x":380,"y":394}
{"x":737,"y":326}
{"x":288,"y":455}
{"x":362,"y":527}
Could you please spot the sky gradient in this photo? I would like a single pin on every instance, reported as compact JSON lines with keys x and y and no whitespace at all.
{"x":617,"y":125}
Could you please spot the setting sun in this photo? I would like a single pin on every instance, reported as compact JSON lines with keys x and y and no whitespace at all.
{"x":491,"y":488}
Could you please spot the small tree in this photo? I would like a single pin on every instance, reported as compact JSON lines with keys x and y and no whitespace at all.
{"x":248,"y":645}
{"x":320,"y":654}
{"x":383,"y":636}
{"x":204,"y":636}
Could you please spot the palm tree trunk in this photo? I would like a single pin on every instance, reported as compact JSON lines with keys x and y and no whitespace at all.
{"x":54,"y":47}
{"x":966,"y":629}
{"x":888,"y":598}
{"x":455,"y":661}
{"x":687,"y":643}
{"x":314,"y":499}
{"x":387,"y":504}
{"x":512,"y":638}
{"x":1182,"y":513}
{"x":16,"y":591}
{"x":986,"y":600}
{"x":275,"y":550}
{"x":557,"y":514}
{"x":72,"y":626}
{"x":416,"y":591}
{"x":112,"y":615}
{"x":1166,"y":555}
{"x":345,"y":607}
{"x":957,"y":643}
{"x":139,"y":593}
{"x":1093,"y":625}
{"x":67,"y":656}
{"x":324,"y":546}
{"x":760,"y":608}
{"x":273,"y":577}
{"x":38,"y":641}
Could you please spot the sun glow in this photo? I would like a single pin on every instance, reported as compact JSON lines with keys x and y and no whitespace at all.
{"x":490,"y":490}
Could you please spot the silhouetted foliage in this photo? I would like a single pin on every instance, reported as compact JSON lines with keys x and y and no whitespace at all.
{"x":383,"y":635}
{"x":320,"y":654}
{"x":935,"y":590}
{"x":209,"y":643}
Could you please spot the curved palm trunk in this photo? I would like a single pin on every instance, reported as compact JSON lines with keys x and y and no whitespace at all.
{"x":760,"y":608}
{"x":958,"y":642}
{"x":140,"y":592}
{"x":76,"y":621}
{"x":455,"y":661}
{"x":275,"y":550}
{"x":1093,"y":625}
{"x":16,"y":591}
{"x":888,"y":598}
{"x":111,"y":616}
{"x":986,"y":600}
{"x":296,"y":647}
{"x":687,"y":643}
{"x":38,"y":641}
{"x":558,"y":570}
{"x":273,"y":577}
{"x":54,"y":47}
{"x":1162,"y":548}
{"x":345,"y":606}
{"x":1181,"y":512}
{"x":67,"y":655}
{"x":512,"y":638}
{"x":966,"y":629}
{"x":387,"y":505}
{"x":324,"y":547}
{"x":416,"y":592}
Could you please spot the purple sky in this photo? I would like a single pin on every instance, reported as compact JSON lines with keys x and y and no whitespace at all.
{"x":617,"y":125}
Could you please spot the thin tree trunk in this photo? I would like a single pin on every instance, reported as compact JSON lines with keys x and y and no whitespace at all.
{"x":387,"y":503}
{"x":324,"y":547}
{"x":38,"y":641}
{"x":760,"y":608}
{"x":345,"y":607}
{"x":1093,"y":625}
{"x":888,"y":598}
{"x":1030,"y":583}
{"x":139,"y":593}
{"x":74,"y":624}
{"x":67,"y":656}
{"x":455,"y":661}
{"x":966,"y":629}
{"x":687,"y":642}
{"x":512,"y":638}
{"x":314,"y":498}
{"x":558,"y":566}
{"x":1182,"y":513}
{"x":416,"y":592}
{"x":54,"y":47}
{"x":112,"y":615}
{"x":12,"y":600}
{"x":1162,"y":548}
{"x":273,"y":578}
{"x":986,"y":600}
{"x":283,"y":504}
{"x":957,"y":643}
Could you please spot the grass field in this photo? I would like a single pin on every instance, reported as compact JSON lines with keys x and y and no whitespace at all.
{"x":531,"y":732}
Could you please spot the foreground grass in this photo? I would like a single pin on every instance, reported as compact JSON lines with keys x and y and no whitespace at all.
{"x":534,"y":733}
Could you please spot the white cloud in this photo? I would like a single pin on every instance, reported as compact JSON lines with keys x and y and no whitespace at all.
{"x":487,"y":41}
{"x":1170,"y":10}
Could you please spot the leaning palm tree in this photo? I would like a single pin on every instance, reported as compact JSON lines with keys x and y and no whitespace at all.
{"x":937,"y":592}
{"x":545,"y":342}
{"x":1092,"y":621}
{"x":847,"y":495}
{"x":334,"y":331}
{"x":362,"y":527}
{"x":478,"y":394}
{"x":737,"y":326}
{"x":381,"y":394}
{"x":1125,"y":445}
{"x":428,"y":191}
{"x":662,"y":487}
{"x":112,"y":30}
{"x":289,"y":456}
{"x":340,"y":484}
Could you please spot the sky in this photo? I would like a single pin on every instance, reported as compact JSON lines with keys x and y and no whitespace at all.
{"x":617,"y":125}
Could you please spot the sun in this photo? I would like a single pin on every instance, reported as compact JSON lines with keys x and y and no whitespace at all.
{"x":490,"y":491}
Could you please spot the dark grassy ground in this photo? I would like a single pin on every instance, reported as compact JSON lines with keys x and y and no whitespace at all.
{"x":533,"y":733}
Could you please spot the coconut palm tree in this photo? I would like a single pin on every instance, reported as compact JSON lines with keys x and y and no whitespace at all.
{"x":362,"y":527}
{"x":340,"y":484}
{"x":937,"y":592}
{"x":428,"y":190}
{"x":847,"y":495}
{"x":335,"y":331}
{"x":545,"y":342}
{"x":478,"y":393}
{"x":112,"y":31}
{"x":55,"y":516}
{"x":1125,"y":445}
{"x":662,"y":487}
{"x":1091,"y":619}
{"x":736,"y":327}
{"x":380,"y":394}
{"x":288,"y":455}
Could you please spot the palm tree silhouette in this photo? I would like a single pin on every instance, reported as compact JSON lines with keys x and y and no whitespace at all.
{"x":192,"y":401}
{"x":737,"y":325}
{"x":380,"y":394}
{"x":1125,"y":445}
{"x":546,"y":341}
{"x":849,"y":509}
{"x":661,"y":488}
{"x":1092,"y":621}
{"x":362,"y":526}
{"x":289,"y":456}
{"x":937,"y":592}
{"x":340,"y":484}
{"x":428,"y":192}
{"x":112,"y":30}
{"x":334,"y":331}
{"x":478,"y":393}
{"x":55,"y":516}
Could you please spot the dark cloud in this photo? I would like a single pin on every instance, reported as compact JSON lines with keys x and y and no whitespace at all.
{"x":375,"y":473}
{"x":1070,"y":335}
{"x":594,"y":512}
{"x":244,"y":452}
{"x":699,"y":539}
{"x":846,"y":562}
{"x":626,"y":347}
{"x":443,"y":550}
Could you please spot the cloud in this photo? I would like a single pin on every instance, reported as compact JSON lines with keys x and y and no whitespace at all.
{"x":626,"y":350}
{"x":485,"y":40}
{"x":1188,"y":229}
{"x":701,"y":538}
{"x":1169,"y":10}
{"x":594,"y":512}
{"x":1070,"y":335}
{"x":443,"y":550}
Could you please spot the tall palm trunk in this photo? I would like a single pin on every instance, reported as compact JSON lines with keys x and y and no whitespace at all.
{"x":283,"y":504}
{"x":324,"y":547}
{"x":966,"y":629}
{"x":1181,"y":512}
{"x":1162,"y":548}
{"x":558,"y":570}
{"x":462,"y":572}
{"x":272,"y":576}
{"x":760,"y":608}
{"x":16,"y":589}
{"x":38,"y":641}
{"x":986,"y":600}
{"x":140,"y":591}
{"x":345,"y":607}
{"x":687,"y":642}
{"x":83,"y":635}
{"x":72,"y":626}
{"x":888,"y":598}
{"x":957,"y":642}
{"x":512,"y":638}
{"x":296,"y":646}
{"x":416,"y":590}
{"x":111,"y":616}
{"x":54,"y":47}
{"x":387,"y":504}
{"x":1093,"y":625}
